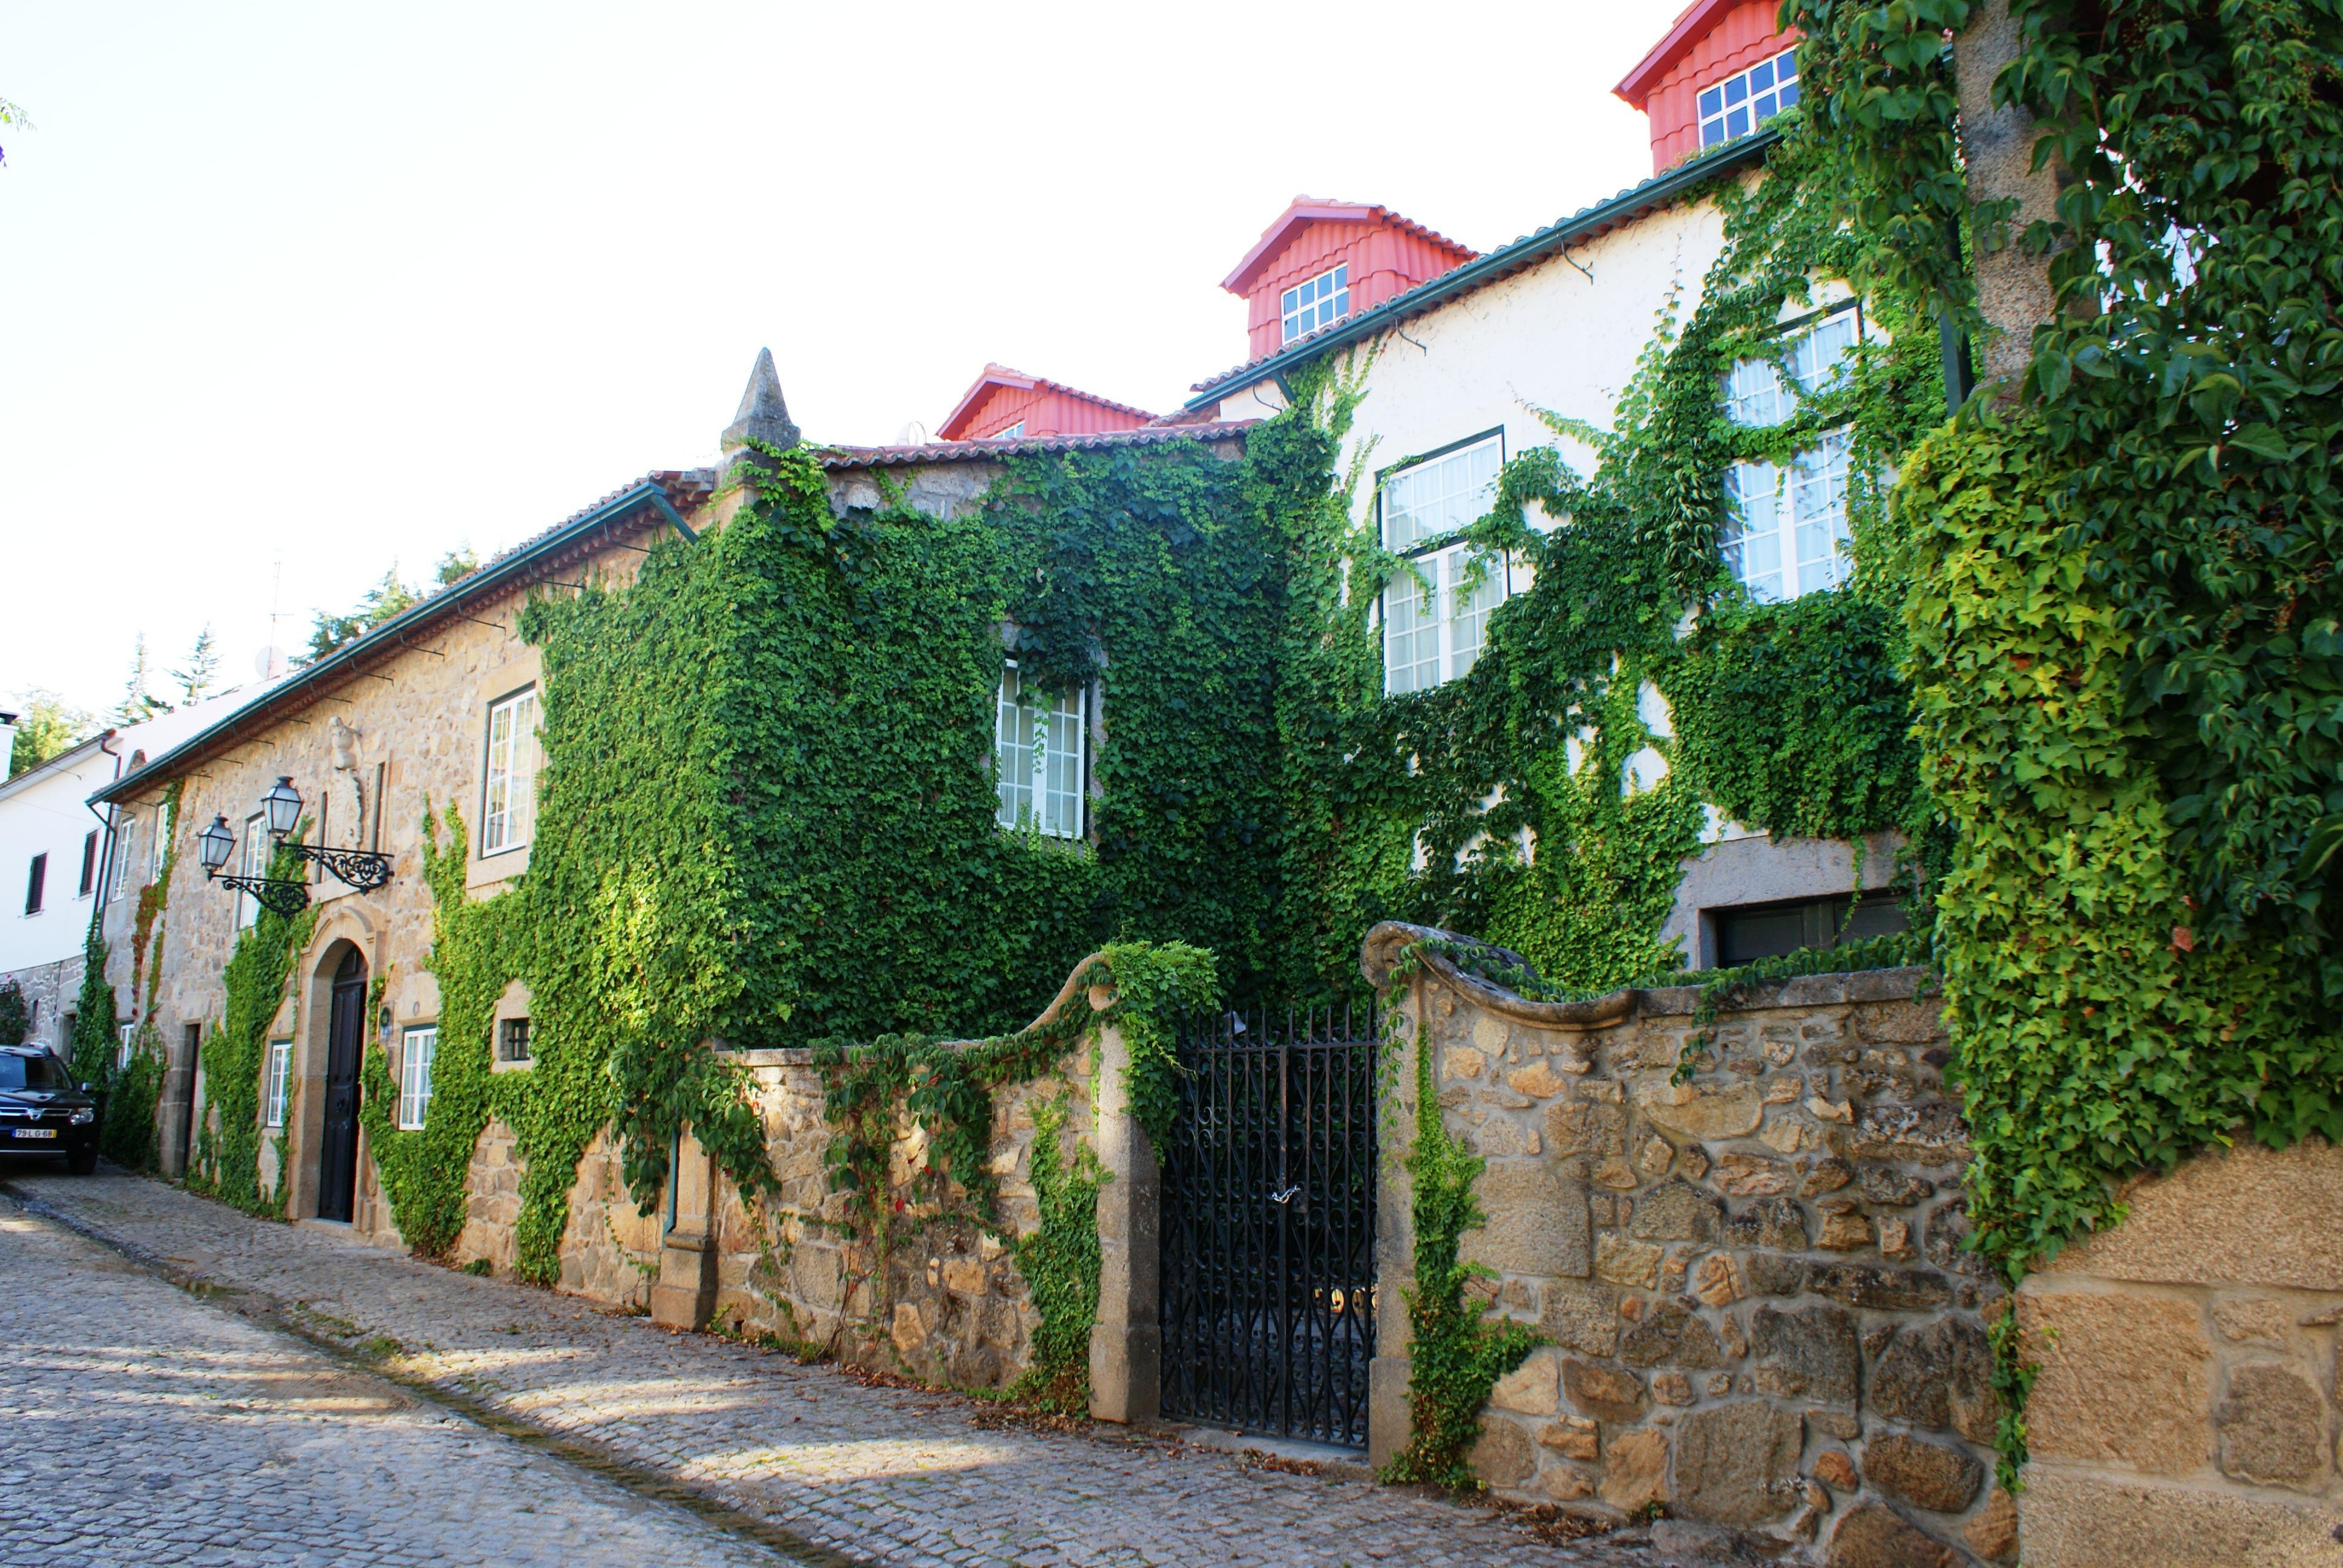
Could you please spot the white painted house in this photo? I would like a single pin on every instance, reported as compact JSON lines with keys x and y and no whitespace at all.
{"x":1463,"y":351}
{"x":60,"y":859}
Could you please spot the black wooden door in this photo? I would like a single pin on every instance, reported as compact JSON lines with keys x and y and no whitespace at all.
{"x":1269,"y":1228}
{"x":337,"y":1150}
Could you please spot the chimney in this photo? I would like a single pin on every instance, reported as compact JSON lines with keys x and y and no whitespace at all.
{"x":763,"y":415}
{"x":8,"y":741}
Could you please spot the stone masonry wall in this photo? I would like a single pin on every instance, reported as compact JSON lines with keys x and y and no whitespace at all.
{"x":2186,"y":1410}
{"x":1757,"y":1316}
{"x":953,"y":1310}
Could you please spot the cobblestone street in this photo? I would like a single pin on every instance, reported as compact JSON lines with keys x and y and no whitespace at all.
{"x":145,"y":1422}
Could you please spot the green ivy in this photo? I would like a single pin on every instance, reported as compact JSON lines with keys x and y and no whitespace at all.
{"x":226,"y":1159}
{"x":1500,"y":804}
{"x":1455,"y":1356}
{"x":1059,"y":1265}
{"x":474,"y":955}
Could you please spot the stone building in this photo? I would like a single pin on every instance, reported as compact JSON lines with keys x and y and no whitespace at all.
{"x":438,"y":708}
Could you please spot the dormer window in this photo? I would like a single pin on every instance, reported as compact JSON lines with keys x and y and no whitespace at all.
{"x":1321,"y":302}
{"x":1747,"y":99}
{"x":1014,"y":432}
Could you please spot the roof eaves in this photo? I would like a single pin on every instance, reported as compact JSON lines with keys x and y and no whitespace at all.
{"x":497,"y":578}
{"x":1629,"y":203}
{"x":990,"y":448}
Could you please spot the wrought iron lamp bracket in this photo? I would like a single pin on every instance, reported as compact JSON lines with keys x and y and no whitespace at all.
{"x":278,"y":897}
{"x":361,"y":869}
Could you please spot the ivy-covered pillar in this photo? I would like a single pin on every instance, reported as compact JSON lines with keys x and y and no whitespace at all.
{"x":1127,"y":1341}
{"x":684,"y":1296}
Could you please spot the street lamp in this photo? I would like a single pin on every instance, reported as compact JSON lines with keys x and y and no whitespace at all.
{"x":281,"y":806}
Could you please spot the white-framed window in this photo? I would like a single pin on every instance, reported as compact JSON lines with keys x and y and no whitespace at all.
{"x":1321,"y":302}
{"x":1816,"y":355}
{"x":1786,"y":528}
{"x":162,"y":839}
{"x":1747,"y":99}
{"x":1432,"y":630}
{"x":280,"y":1074}
{"x":118,"y":880}
{"x":1036,"y":756}
{"x":417,"y":1047}
{"x":129,"y":1033}
{"x":1441,"y":493}
{"x":1010,"y":433}
{"x":509,"y":805}
{"x":252,"y":861}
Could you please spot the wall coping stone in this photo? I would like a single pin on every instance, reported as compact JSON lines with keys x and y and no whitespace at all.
{"x":1380,"y":953}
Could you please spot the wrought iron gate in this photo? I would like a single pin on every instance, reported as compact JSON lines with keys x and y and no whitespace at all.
{"x":1269,"y":1225}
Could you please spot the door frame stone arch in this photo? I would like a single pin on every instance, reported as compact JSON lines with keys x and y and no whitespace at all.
{"x":343,"y":927}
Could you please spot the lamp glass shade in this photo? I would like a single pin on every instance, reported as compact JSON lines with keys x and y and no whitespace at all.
{"x":216,"y":844}
{"x":282,"y":804}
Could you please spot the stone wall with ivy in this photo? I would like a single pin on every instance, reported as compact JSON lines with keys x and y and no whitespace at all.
{"x":1739,"y":1294}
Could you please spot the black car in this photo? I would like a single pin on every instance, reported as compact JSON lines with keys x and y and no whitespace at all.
{"x":42,"y":1112}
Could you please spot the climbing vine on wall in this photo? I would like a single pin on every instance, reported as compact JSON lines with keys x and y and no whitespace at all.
{"x":1455,"y":1356}
{"x":1543,"y":800}
{"x":2125,"y":610}
{"x":226,"y":1161}
{"x":767,"y":811}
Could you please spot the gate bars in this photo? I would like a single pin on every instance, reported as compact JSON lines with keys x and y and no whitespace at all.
{"x":1269,"y":1226}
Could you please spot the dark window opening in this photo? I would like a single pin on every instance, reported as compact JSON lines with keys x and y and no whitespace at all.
{"x":35,"y":882}
{"x":1756,"y":932}
{"x":512,"y":1040}
{"x":89,"y":862}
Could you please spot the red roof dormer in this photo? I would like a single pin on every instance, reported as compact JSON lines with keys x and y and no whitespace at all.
{"x":1730,"y":46}
{"x":1005,"y":402}
{"x":1345,"y":256}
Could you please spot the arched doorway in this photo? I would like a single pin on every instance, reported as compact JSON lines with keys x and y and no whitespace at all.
{"x":337,"y":1149}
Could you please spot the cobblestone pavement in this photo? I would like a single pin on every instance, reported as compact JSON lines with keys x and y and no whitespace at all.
{"x":872,"y":1474}
{"x":139,"y":1426}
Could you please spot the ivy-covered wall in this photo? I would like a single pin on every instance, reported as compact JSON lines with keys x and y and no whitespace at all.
{"x":768,"y":811}
{"x":1547,"y":799}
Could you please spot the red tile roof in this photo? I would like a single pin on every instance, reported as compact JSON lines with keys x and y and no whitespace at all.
{"x":1304,"y":210}
{"x":996,"y":375}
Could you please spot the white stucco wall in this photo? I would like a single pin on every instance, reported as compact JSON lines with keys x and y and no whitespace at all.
{"x":42,"y":812}
{"x":1565,"y":336}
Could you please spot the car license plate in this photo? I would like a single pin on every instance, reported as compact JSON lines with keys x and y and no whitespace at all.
{"x":37,"y":1132}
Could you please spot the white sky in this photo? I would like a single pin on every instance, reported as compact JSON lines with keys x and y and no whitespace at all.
{"x":334,"y":286}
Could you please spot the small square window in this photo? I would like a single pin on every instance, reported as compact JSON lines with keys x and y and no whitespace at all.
{"x":512,"y":1040}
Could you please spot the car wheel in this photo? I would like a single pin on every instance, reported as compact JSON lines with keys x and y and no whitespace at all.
{"x":81,"y":1162}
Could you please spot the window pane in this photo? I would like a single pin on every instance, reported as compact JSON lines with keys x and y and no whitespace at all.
{"x":1470,"y":609}
{"x":1752,"y":537}
{"x":1712,"y":101}
{"x":1710,"y":132}
{"x":1287,"y":303}
{"x":1412,"y":631}
{"x":1761,"y":75}
{"x":1789,"y":93}
{"x":1439,"y":497}
{"x":1737,"y":88}
{"x":1819,"y":499}
{"x":1785,"y":69}
{"x":1737,"y":122}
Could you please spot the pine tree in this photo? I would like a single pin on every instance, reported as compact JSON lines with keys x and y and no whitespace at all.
{"x":139,"y":702}
{"x":202,"y":671}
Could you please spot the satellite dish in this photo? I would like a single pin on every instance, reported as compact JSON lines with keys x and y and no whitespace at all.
{"x":269,"y":663}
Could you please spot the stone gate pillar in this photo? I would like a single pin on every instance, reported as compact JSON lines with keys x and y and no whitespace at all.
{"x":1127,"y":1341}
{"x":684,"y":1297}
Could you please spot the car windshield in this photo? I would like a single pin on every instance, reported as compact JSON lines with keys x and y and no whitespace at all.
{"x":41,"y":1072}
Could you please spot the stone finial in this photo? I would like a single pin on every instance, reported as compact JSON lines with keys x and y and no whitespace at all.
{"x":763,"y":415}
